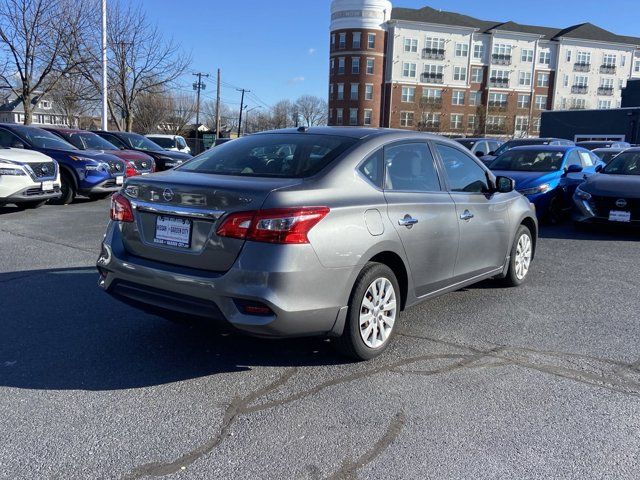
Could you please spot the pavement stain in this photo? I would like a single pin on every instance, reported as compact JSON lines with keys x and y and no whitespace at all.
{"x":603,"y":373}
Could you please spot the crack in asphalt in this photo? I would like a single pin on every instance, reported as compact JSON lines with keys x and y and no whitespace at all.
{"x":608,"y":374}
{"x":349,"y":468}
{"x":44,"y":240}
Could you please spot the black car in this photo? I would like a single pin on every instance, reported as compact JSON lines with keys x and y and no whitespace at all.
{"x":523,"y":142}
{"x":165,"y":159}
{"x":612,"y":195}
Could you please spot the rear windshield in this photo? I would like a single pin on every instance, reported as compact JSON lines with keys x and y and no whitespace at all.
{"x":627,"y":163}
{"x":529,"y":161}
{"x":164,"y":142}
{"x":271,"y":155}
{"x":606,"y":157}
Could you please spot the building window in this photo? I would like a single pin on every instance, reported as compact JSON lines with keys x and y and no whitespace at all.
{"x":471,"y":122}
{"x":456,"y":121}
{"x":332,"y":64}
{"x":462,"y":49}
{"x":460,"y":74}
{"x":565,"y":80}
{"x":499,"y":78}
{"x":524,"y":79}
{"x":583,"y":58}
{"x":371,"y":40}
{"x":353,"y":116}
{"x":623,"y":60}
{"x":604,"y":104}
{"x":433,"y":43}
{"x":410,"y":45}
{"x":339,"y":116}
{"x":536,"y":124}
{"x":524,"y":100}
{"x":578,"y":104}
{"x":406,"y":119}
{"x":457,"y":98}
{"x":355,"y":90}
{"x":408,"y":94}
{"x":543,"y":80}
{"x":478,"y":51}
{"x":502,"y":49}
{"x":526,"y":55}
{"x":496,"y":123}
{"x":545,"y":57}
{"x":522,"y":124}
{"x":409,"y":70}
{"x":475,"y":98}
{"x":331,"y":91}
{"x":432,"y":94}
{"x":370,"y":66}
{"x":342,"y":41}
{"x":333,"y":39}
{"x":433,"y":74}
{"x":477,"y":75}
{"x":341,"y":66}
{"x":368,"y":91}
{"x":636,"y":66}
{"x":568,"y":55}
{"x":499,"y":100}
{"x":355,"y":65}
{"x":368,"y":114}
{"x":431,"y":120}
{"x":608,"y":60}
{"x":356,"y":39}
{"x":541,"y":102}
{"x":341,"y":91}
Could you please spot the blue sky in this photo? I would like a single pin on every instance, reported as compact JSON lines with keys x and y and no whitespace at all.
{"x":279,"y":48}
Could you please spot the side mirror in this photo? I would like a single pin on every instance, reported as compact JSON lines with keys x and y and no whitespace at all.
{"x":480,"y":154}
{"x":505,"y":184}
{"x":574,"y":169}
{"x":599,"y":168}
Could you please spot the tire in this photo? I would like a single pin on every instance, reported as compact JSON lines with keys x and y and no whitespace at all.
{"x":352,"y":343}
{"x":68,"y":191}
{"x":516,"y":276}
{"x":32,"y":205}
{"x":555,"y":213}
{"x":98,"y":196}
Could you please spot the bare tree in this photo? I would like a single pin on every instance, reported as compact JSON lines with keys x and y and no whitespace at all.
{"x":180,"y":114}
{"x":313,"y":110}
{"x":73,"y":97}
{"x":39,"y":39}
{"x":228,"y":116}
{"x":282,"y":114}
{"x":150,"y":111}
{"x":142,"y":60}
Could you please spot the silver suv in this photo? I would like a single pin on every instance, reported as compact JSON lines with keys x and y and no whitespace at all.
{"x":321,"y":231}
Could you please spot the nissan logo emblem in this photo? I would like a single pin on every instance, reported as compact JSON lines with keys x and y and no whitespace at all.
{"x":621,"y":203}
{"x":45,"y":169}
{"x":167,"y":194}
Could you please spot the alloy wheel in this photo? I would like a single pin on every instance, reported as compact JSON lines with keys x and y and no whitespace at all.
{"x":378,"y":313}
{"x":524,"y":252}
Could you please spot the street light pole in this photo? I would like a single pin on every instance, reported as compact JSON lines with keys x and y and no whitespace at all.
{"x":105,"y":124}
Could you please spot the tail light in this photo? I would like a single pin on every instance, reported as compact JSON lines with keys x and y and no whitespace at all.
{"x":278,"y":225}
{"x":121,"y":210}
{"x":131,"y":170}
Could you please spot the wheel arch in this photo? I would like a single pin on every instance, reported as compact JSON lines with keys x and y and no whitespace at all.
{"x":399,"y":269}
{"x":532,"y":225}
{"x":69,"y":171}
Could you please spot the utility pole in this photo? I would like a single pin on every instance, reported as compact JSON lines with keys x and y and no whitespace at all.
{"x":243,"y":90}
{"x":197,"y":86}
{"x":218,"y":107}
{"x":105,"y":123}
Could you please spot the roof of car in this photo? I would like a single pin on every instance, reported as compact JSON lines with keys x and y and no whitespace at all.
{"x":476,"y":139}
{"x":67,"y":130}
{"x":543,"y":139}
{"x":610,"y":149}
{"x":546,"y":148}
{"x":353,"y":132}
{"x":161,"y":135}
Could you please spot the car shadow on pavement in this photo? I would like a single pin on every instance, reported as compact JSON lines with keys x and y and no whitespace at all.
{"x":59,"y":331}
{"x":568,"y":231}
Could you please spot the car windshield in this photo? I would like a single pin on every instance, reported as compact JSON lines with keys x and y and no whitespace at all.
{"x":606,"y":157}
{"x":164,"y":142}
{"x":43,"y":139}
{"x":505,"y":147}
{"x":140,"y":142}
{"x":467,"y":143}
{"x":271,"y":155}
{"x":90,"y":141}
{"x":529,"y":161}
{"x":627,"y":163}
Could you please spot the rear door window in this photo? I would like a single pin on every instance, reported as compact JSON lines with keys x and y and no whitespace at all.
{"x":372,"y":169}
{"x":410,"y":167}
{"x":587,"y":161}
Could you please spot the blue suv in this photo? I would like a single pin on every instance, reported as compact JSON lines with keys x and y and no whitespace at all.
{"x":93,"y":174}
{"x":547,"y":175}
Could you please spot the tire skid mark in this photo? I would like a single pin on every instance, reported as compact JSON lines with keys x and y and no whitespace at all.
{"x":349,"y":468}
{"x":52,"y":242}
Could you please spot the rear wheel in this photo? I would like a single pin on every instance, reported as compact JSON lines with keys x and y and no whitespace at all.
{"x":68,"y":191}
{"x":521,"y":258}
{"x":374,"y":308}
{"x":556,"y":212}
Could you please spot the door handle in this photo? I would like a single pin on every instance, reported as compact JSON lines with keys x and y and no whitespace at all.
{"x":408,"y":221}
{"x":466,"y":216}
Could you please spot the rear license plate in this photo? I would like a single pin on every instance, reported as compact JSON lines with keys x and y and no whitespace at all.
{"x":47,"y":186}
{"x":617,"y":216}
{"x":175,"y":232}
{"x":119,"y":180}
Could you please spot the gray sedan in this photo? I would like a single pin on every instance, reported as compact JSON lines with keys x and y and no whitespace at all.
{"x":322,"y":231}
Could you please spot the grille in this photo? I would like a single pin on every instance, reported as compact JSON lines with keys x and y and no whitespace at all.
{"x":35,"y":192}
{"x":116,"y":166}
{"x":44,"y":170}
{"x":603,"y":205}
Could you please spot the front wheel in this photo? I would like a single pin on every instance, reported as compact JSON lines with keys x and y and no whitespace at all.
{"x":521,"y":258}
{"x":68,"y":191}
{"x":374,"y":308}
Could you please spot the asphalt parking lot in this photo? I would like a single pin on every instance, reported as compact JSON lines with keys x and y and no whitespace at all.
{"x":541,"y":381}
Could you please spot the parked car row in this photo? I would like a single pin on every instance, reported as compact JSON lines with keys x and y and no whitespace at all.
{"x":55,"y":165}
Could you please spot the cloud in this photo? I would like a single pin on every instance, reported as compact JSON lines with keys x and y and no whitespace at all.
{"x":295,"y":80}
{"x":311,"y":51}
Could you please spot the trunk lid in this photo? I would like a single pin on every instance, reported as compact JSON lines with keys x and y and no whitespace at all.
{"x":195,"y":202}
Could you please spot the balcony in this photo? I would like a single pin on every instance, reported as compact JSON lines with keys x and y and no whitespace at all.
{"x":429,"y":126}
{"x":433,"y":54}
{"x":499,"y":82}
{"x":431,"y":102}
{"x":608,"y":69}
{"x":580,"y":89}
{"x":498,"y":106}
{"x":578,"y":106}
{"x":432,"y":77}
{"x":499,"y":59}
{"x":581,"y":67}
{"x":607,"y":91}
{"x":497,"y":129}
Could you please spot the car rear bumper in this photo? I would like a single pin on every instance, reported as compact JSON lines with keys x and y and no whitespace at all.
{"x":305,"y":298}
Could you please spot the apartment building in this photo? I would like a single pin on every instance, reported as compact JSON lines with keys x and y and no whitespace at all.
{"x":427,"y":69}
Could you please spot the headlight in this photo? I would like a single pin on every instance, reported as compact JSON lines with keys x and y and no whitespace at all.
{"x":544,"y":188}
{"x":12,"y":171}
{"x":100,"y":167}
{"x":582,"y":195}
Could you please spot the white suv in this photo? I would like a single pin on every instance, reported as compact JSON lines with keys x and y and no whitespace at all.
{"x":27,"y":178}
{"x":175,"y":143}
